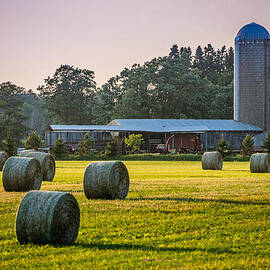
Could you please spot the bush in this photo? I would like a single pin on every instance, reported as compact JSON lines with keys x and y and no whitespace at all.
{"x":150,"y":157}
{"x":247,"y":145}
{"x":111,"y":148}
{"x":222,"y":147}
{"x":59,"y":148}
{"x":9,"y":145}
{"x":134,"y":142}
{"x":33,"y":141}
{"x":85,"y":145}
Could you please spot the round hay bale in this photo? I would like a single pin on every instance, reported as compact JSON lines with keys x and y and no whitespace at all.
{"x":23,"y":152}
{"x":48,"y":217}
{"x":46,"y":161}
{"x":3,"y":159}
{"x":259,"y":163}
{"x":106,"y":180}
{"x":212,"y":161}
{"x":21,"y":174}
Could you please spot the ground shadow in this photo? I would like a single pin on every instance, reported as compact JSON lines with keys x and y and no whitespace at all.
{"x":235,"y":170}
{"x":102,"y":246}
{"x":199,"y":200}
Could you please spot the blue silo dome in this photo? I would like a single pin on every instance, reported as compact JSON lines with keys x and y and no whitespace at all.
{"x":252,"y":31}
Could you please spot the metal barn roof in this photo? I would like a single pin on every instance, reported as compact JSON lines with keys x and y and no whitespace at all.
{"x":169,"y":125}
{"x":81,"y":128}
{"x":162,"y":125}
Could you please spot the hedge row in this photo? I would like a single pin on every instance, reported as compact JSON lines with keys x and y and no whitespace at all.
{"x":150,"y":157}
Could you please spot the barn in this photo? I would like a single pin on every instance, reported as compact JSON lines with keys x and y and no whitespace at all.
{"x":180,"y":134}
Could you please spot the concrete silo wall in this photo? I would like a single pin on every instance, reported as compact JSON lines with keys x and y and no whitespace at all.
{"x":253,"y":89}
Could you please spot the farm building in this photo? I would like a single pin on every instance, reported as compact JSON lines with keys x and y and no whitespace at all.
{"x":180,"y":134}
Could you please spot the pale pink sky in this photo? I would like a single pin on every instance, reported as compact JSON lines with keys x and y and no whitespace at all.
{"x":105,"y":36}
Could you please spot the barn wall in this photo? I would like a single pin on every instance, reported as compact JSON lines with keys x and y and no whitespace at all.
{"x":234,"y":139}
{"x":100,"y":138}
{"x":151,"y":140}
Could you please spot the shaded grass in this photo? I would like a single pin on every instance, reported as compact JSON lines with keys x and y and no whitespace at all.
{"x":175,"y":216}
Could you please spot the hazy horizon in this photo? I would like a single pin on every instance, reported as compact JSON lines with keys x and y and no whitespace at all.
{"x":107,"y":36}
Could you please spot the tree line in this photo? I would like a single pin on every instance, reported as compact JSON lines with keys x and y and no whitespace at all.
{"x":179,"y":85}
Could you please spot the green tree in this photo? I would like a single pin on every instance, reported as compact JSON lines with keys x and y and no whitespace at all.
{"x":247,"y":145}
{"x":178,"y":91}
{"x":104,"y":106}
{"x":111,"y":148}
{"x":164,"y":88}
{"x":11,"y":115}
{"x":198,"y":60}
{"x":174,"y":52}
{"x":59,"y":148}
{"x":135,"y":101}
{"x":186,"y":52}
{"x":266,"y":142}
{"x":69,"y":94}
{"x":209,"y":63}
{"x":229,"y":60}
{"x":217,"y":66}
{"x":221,"y":106}
{"x":85,"y":145}
{"x":134,"y":142}
{"x":10,"y":145}
{"x":222,"y":147}
{"x":33,"y":141}
{"x":174,"y":86}
{"x":106,"y":99}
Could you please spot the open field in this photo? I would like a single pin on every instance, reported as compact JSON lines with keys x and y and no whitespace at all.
{"x":175,"y":216}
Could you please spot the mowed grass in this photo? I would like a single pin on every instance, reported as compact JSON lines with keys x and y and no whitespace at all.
{"x":176,"y":216}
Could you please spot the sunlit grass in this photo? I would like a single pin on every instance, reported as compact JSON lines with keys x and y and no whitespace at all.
{"x":175,"y":216}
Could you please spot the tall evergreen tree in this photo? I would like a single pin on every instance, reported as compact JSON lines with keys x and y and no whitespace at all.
{"x":222,"y":146}
{"x":229,"y":60}
{"x":59,"y":149}
{"x":111,"y":148}
{"x":85,"y":145}
{"x":33,"y":141}
{"x":209,"y":66}
{"x":219,"y":60}
{"x":198,"y":60}
{"x":174,"y":52}
{"x":10,"y":144}
{"x":247,"y":145}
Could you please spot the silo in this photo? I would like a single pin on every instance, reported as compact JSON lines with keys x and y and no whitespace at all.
{"x":252,"y":76}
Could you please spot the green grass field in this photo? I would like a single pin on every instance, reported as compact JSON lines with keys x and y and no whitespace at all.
{"x":175,"y":216}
